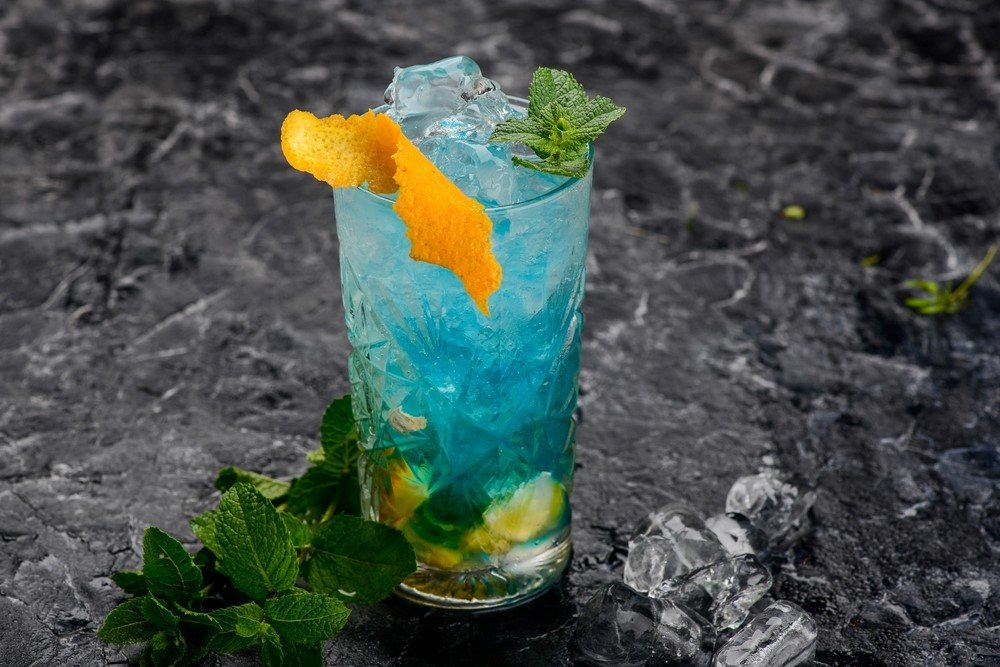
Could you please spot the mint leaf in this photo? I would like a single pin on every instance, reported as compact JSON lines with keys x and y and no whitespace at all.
{"x":253,"y":629}
{"x":528,"y":131}
{"x":227,"y":640}
{"x":127,"y":624}
{"x":592,"y":119}
{"x":197,"y":623}
{"x":306,"y":617}
{"x":566,"y":167}
{"x":252,"y":544}
{"x":167,"y":567}
{"x":313,"y":495}
{"x":322,"y":491}
{"x":337,"y":428}
{"x":947,"y":299}
{"x":357,"y":560}
{"x":272,"y":489}
{"x":271,"y":652}
{"x":250,"y":628}
{"x":560,"y":125}
{"x":550,"y":86}
{"x":157,"y":614}
{"x":330,"y":486}
{"x":130,"y":581}
{"x":204,"y":528}
{"x":298,"y":532}
{"x":928,"y":286}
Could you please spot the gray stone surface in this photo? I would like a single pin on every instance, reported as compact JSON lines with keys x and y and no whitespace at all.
{"x":169,"y":300}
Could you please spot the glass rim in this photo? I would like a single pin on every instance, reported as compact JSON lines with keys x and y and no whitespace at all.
{"x":568,"y":183}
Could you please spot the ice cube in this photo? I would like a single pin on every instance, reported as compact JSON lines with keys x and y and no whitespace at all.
{"x":683,"y":636}
{"x":667,"y":543}
{"x":485,"y":171}
{"x":450,"y":97}
{"x":738,"y":535}
{"x":449,"y":110}
{"x":479,"y":170}
{"x":620,"y":626}
{"x":664,"y":520}
{"x":783,"y":635}
{"x":722,"y":592}
{"x":777,"y":507}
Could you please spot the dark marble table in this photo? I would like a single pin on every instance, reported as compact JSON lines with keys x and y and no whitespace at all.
{"x":170,"y":304}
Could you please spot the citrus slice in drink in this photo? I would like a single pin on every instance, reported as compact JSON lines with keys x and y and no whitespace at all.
{"x":429,"y":553}
{"x":402,"y":497}
{"x":531,"y":511}
{"x":445,"y":226}
{"x":481,"y":540}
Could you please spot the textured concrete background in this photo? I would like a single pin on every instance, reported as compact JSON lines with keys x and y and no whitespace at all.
{"x":169,"y":301}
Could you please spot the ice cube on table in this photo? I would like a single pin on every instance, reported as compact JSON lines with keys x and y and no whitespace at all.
{"x":722,"y":592}
{"x":669,"y":542}
{"x":777,"y":507}
{"x":620,"y":626}
{"x":683,"y":636}
{"x":783,"y":635}
{"x":738,"y":535}
{"x":450,"y":97}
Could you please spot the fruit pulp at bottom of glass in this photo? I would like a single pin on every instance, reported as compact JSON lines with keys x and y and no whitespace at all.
{"x":486,"y":508}
{"x":482,"y":539}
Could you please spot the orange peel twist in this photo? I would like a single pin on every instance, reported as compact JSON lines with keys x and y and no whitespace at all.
{"x":445,"y":226}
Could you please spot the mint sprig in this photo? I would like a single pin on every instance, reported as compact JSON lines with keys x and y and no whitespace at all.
{"x":560,"y":125}
{"x":245,"y":589}
{"x":946,"y":299}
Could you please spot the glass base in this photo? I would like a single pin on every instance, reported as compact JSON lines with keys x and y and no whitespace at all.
{"x":495,"y":587}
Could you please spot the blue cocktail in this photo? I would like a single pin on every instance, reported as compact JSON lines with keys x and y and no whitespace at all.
{"x":466,"y":420}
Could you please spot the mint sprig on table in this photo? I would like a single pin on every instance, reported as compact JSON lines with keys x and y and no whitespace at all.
{"x":281,"y":559}
{"x":946,"y":299}
{"x":560,"y":125}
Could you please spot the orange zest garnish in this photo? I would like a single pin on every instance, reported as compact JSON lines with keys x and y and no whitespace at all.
{"x":445,"y":226}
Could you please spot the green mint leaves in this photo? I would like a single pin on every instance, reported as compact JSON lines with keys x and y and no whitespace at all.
{"x":243,"y":590}
{"x":946,"y":300}
{"x":227,"y":640}
{"x":560,"y":125}
{"x":251,"y":543}
{"x":358,"y":561}
{"x":127,"y":624}
{"x":331,"y":485}
{"x":167,"y":568}
{"x":306,"y":617}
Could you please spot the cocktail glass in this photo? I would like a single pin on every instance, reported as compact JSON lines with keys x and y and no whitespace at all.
{"x":466,"y":420}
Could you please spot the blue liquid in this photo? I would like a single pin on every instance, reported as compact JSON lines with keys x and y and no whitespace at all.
{"x":467,"y":409}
